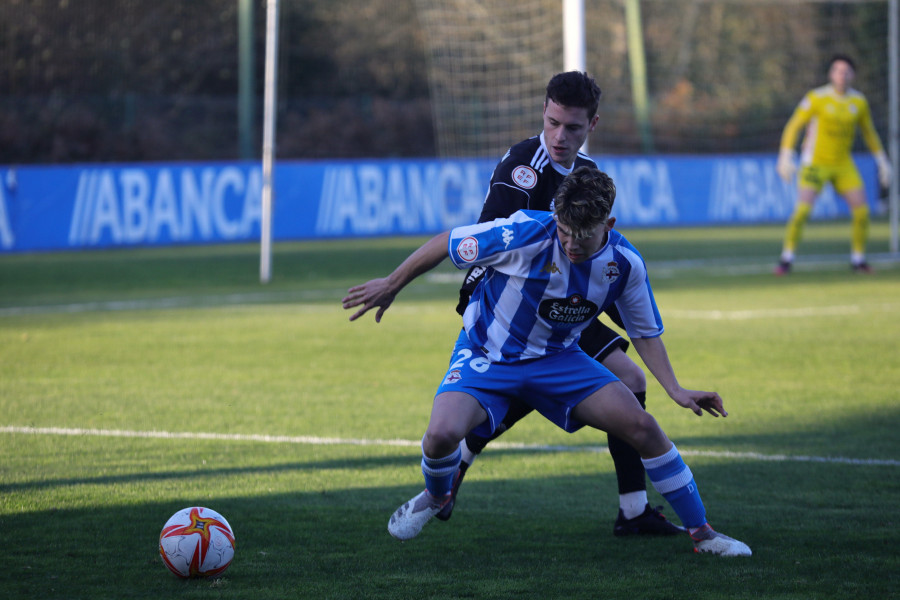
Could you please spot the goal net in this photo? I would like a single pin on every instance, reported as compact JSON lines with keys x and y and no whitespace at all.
{"x":490,"y":61}
{"x":721,"y":75}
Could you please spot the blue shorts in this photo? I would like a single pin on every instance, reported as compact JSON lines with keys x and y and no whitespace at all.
{"x":552,"y":385}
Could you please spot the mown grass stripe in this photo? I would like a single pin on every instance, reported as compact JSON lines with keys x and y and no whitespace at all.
{"x":329,"y":441}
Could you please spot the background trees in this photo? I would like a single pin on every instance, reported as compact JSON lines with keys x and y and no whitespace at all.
{"x":141,"y":80}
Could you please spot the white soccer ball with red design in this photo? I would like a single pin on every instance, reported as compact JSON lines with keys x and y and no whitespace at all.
{"x":197,"y":542}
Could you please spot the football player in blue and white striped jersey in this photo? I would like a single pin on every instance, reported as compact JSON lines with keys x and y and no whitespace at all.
{"x":526,"y":178}
{"x":548,"y":275}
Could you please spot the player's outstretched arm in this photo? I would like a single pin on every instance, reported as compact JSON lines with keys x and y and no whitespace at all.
{"x":786,"y":167}
{"x":885,"y":169}
{"x":381,"y":292}
{"x":653,"y":353}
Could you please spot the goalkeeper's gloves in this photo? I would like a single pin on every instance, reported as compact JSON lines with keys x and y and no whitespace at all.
{"x":787,"y":164}
{"x":885,"y":170}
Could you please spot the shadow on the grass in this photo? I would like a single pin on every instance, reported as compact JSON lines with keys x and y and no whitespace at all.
{"x":524,"y":538}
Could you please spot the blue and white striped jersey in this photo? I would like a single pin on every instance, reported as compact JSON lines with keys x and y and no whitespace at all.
{"x":534,"y":301}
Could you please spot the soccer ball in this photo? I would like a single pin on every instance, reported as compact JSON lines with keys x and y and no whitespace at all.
{"x":196,"y":542}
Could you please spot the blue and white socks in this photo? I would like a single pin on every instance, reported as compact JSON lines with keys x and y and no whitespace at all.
{"x":439,"y":472}
{"x":674,"y":480}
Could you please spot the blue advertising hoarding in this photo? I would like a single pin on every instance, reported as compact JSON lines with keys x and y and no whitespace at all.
{"x":126,"y":205}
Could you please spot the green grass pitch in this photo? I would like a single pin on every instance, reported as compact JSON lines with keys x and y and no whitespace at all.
{"x":112,"y":363}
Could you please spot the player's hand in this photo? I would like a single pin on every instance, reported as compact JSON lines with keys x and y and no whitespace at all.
{"x":787,"y":164}
{"x":376,"y":292}
{"x":885,"y":170}
{"x":698,"y":402}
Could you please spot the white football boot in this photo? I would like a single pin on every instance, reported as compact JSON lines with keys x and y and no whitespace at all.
{"x":706,"y":539}
{"x":408,"y":520}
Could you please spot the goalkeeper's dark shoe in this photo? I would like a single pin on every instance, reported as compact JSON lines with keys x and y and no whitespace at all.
{"x":783,"y":268}
{"x":861,"y":267}
{"x":649,"y":522}
{"x":445,"y":513}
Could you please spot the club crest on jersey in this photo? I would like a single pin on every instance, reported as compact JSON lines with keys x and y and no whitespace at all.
{"x":568,"y":312}
{"x":611,"y":271}
{"x":467,"y":249}
{"x":452,"y":377}
{"x":524,"y":177}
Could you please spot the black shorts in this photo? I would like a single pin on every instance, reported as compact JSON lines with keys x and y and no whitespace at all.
{"x":598,"y":341}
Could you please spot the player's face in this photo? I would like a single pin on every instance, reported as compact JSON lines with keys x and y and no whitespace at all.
{"x":565,"y":130}
{"x":580,"y":249}
{"x":841,"y":75}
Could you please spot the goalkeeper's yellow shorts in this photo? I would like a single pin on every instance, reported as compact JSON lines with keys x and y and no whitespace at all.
{"x":844,"y":177}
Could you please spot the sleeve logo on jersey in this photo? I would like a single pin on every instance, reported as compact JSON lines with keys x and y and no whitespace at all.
{"x":568,"y":312}
{"x":468,"y":249}
{"x":474,"y":275}
{"x":611,"y":271}
{"x":524,"y":177}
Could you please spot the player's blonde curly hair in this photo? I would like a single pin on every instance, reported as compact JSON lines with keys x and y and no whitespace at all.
{"x":584,"y":200}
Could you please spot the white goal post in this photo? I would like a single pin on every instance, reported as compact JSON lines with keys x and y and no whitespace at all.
{"x":270,"y":101}
{"x":894,"y":119}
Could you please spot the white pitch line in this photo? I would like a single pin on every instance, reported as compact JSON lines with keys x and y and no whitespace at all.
{"x":781,"y":313}
{"x":327,"y":441}
{"x":175,"y":302}
{"x":724,"y":267}
{"x":329,"y":295}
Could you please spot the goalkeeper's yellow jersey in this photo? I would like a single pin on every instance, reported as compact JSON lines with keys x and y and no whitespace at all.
{"x":831,"y":120}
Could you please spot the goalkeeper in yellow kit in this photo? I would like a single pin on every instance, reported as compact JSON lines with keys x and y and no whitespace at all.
{"x":831,"y":114}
